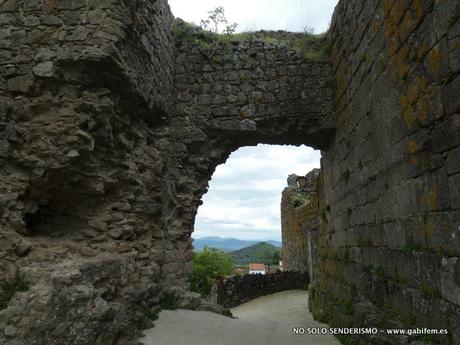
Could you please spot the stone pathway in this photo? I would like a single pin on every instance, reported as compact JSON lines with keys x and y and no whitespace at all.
{"x":265,"y":321}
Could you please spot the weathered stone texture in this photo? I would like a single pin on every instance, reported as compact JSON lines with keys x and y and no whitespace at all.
{"x":391,"y":238}
{"x":111,"y":127}
{"x":106,"y":147}
{"x":299,"y":224}
{"x":233,"y":291}
{"x":255,"y":92}
{"x":82,"y":99}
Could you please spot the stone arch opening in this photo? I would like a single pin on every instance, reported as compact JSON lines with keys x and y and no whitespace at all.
{"x":251,"y":178}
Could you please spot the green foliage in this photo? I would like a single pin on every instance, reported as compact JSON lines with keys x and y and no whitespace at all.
{"x":300,"y":199}
{"x":217,"y":23}
{"x":209,"y":264}
{"x":322,"y":51}
{"x":261,"y":252}
{"x":9,"y":288}
{"x":168,"y":302}
{"x":153,"y":314}
{"x":215,"y":31}
{"x":276,"y":258}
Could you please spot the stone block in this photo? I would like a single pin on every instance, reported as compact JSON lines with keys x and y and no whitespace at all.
{"x":44,"y":69}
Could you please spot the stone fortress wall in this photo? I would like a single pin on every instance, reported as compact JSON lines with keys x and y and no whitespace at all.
{"x":106,"y":147}
{"x":299,"y":224}
{"x":389,"y":245}
{"x":113,"y":119}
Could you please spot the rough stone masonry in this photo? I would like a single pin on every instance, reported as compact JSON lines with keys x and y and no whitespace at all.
{"x":113,"y":117}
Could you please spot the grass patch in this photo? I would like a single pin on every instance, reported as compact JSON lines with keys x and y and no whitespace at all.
{"x":9,"y":288}
{"x":300,"y":199}
{"x":154,"y":313}
{"x":311,"y":47}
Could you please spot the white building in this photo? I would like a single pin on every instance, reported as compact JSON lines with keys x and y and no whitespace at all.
{"x":257,"y":268}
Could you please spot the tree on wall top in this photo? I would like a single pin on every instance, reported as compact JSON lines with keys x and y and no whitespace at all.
{"x":217,"y":22}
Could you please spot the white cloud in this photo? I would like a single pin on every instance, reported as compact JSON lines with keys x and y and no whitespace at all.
{"x":292,"y":15}
{"x":245,"y":193}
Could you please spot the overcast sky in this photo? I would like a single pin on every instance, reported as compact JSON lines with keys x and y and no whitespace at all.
{"x":291,"y":15}
{"x":244,"y":194}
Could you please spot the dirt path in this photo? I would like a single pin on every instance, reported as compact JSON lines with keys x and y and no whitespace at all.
{"x":265,"y":321}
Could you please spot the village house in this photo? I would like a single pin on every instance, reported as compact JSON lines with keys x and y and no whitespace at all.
{"x":255,"y":268}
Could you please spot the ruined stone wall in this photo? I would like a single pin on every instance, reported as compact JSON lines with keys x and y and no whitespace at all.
{"x":85,"y":88}
{"x":112,"y":123}
{"x":390,"y":245}
{"x":106,"y":147}
{"x":255,"y":89}
{"x":299,"y":224}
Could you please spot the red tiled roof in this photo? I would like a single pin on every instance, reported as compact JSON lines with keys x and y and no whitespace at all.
{"x":257,"y":267}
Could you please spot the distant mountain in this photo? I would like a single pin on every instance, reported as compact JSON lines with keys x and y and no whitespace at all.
{"x":227,"y":244}
{"x":262,"y":252}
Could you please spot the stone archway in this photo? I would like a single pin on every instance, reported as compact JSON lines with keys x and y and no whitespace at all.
{"x":112,"y":96}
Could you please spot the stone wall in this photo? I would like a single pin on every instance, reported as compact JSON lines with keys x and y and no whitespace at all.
{"x":113,"y":119}
{"x":233,"y":291}
{"x":390,"y":244}
{"x":254,"y":90}
{"x":111,"y":125}
{"x":84,"y":90}
{"x":299,"y":224}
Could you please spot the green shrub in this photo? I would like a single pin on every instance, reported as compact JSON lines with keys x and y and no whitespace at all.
{"x":168,"y":302}
{"x":209,"y":264}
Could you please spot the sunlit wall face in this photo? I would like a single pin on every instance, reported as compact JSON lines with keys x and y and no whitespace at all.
{"x":290,"y":15}
{"x":244,"y":197}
